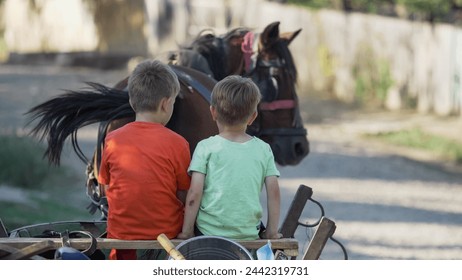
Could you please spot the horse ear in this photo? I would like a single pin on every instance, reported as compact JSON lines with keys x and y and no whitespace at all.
{"x":290,"y":36}
{"x":270,"y":34}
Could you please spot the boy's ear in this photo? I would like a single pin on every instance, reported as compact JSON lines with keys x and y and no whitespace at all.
{"x":164,"y":103}
{"x":213,"y":112}
{"x":252,"y":118}
{"x":130,"y":102}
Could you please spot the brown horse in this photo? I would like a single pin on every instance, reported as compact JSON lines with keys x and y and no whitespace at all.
{"x":266,"y":59}
{"x":61,"y":117}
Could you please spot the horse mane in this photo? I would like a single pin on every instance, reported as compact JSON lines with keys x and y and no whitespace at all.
{"x":213,"y":49}
{"x":239,"y":32}
{"x":64,"y":115}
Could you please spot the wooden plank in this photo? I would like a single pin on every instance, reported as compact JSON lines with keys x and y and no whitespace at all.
{"x":7,"y":250}
{"x":28,"y":251}
{"x":288,"y":245}
{"x":290,"y":223}
{"x":324,"y":231}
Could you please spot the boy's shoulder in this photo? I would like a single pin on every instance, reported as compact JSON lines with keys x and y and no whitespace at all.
{"x":209,"y":143}
{"x":174,"y":135}
{"x":209,"y":139}
{"x":145,"y":128}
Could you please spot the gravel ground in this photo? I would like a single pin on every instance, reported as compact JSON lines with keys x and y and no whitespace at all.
{"x":387,"y":202}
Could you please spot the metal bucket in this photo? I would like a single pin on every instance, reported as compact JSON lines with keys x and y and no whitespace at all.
{"x":213,"y":248}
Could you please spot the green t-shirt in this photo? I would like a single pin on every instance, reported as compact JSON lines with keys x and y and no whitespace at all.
{"x":235,"y":174}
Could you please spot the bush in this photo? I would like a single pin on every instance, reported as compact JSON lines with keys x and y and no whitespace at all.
{"x":22,"y":163}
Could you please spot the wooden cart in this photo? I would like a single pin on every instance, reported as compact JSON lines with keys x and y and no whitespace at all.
{"x":31,"y":242}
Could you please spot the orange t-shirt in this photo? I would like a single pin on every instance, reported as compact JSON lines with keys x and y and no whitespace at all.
{"x":144,"y":165}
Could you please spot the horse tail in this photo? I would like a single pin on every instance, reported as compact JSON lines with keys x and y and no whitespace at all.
{"x":62,"y":116}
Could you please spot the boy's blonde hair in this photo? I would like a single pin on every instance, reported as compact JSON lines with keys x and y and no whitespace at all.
{"x":151,"y":81}
{"x":235,"y":99}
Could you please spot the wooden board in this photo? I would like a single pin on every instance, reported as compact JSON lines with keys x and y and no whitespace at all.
{"x":324,"y":231}
{"x":25,"y":252}
{"x":290,"y":223}
{"x":288,"y":245}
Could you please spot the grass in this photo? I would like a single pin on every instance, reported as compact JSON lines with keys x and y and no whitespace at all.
{"x":22,"y":163}
{"x":40,"y":210}
{"x":418,"y":139}
{"x":51,"y":193}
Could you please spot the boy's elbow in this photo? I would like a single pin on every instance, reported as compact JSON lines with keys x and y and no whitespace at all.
{"x":194,"y":194}
{"x":181,"y":195}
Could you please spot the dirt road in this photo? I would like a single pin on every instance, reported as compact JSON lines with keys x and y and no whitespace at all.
{"x":388,"y":203}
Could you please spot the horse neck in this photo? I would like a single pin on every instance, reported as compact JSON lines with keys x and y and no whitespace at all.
{"x":230,"y":57}
{"x":236,"y":63}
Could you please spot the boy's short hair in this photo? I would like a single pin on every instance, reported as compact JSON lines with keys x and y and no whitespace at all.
{"x":150,"y":81}
{"x":235,"y":99}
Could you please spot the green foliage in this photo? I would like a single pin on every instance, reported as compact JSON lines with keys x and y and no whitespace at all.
{"x":426,"y":6}
{"x":372,"y":77}
{"x":22,"y":163}
{"x":369,"y":6}
{"x":434,"y":10}
{"x":429,"y":9}
{"x":416,"y":138}
{"x":313,"y":4}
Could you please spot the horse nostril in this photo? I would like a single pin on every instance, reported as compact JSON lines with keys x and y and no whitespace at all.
{"x":299,"y":150}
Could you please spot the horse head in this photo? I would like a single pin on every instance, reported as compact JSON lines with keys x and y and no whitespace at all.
{"x":279,"y":122}
{"x":266,"y":59}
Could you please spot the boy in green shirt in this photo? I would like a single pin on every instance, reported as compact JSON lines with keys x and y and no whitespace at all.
{"x":228,"y":171}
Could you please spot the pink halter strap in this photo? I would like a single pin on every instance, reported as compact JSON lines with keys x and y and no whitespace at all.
{"x":277,"y":105}
{"x":247,"y":49}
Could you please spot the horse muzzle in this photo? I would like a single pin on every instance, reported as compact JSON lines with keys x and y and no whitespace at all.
{"x":290,"y":145}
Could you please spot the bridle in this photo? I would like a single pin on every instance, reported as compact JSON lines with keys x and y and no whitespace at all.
{"x":255,"y":64}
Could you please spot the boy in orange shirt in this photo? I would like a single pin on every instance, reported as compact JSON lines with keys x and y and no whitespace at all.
{"x":144,"y":164}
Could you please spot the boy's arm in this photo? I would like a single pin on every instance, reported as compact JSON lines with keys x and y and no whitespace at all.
{"x":103,"y":190}
{"x":193,"y":201}
{"x":181,"y":195}
{"x":273,"y":206}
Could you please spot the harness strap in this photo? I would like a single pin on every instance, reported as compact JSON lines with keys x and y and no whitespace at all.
{"x":293,"y":131}
{"x":278,"y":105}
{"x":191,"y":82}
{"x":248,"y":50}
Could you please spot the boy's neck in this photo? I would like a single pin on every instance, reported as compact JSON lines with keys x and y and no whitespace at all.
{"x":235,"y":133}
{"x":150,"y":117}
